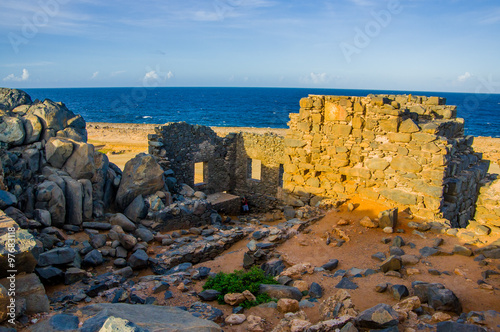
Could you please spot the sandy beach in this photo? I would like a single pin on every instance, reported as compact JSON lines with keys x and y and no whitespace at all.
{"x":122,"y":141}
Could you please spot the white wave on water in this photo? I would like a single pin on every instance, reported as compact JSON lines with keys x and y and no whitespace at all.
{"x":147,"y":117}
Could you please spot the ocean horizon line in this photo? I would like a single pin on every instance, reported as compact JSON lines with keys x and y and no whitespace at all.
{"x":389,"y":91}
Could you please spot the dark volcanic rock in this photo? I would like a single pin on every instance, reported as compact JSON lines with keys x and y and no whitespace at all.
{"x":437,"y":296}
{"x":273,"y":267}
{"x":381,"y":316}
{"x":209,"y":295}
{"x":64,"y":322}
{"x":93,"y":258}
{"x":346,"y":283}
{"x":457,"y":327}
{"x":56,"y":256}
{"x":399,"y":292}
{"x":103,"y":317}
{"x":315,"y":290}
{"x":138,"y":260}
{"x":50,"y":275}
{"x":280,"y":292}
{"x":331,"y":265}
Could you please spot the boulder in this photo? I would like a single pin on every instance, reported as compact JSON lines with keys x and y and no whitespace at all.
{"x":4,"y":302}
{"x":32,"y":158}
{"x":50,"y":275}
{"x":98,"y":240}
{"x":337,"y":305}
{"x":87,"y":206}
{"x":43,"y":217}
{"x":11,"y":130}
{"x":52,"y":115}
{"x":57,"y":151}
{"x":450,"y":326}
{"x":331,"y":265}
{"x":388,"y":218}
{"x":107,"y":317}
{"x":127,"y":241}
{"x":23,"y":245}
{"x":51,"y":197}
{"x":142,"y":175}
{"x":381,"y":316}
{"x":101,"y":162}
{"x":74,"y":201}
{"x":18,"y":216}
{"x":64,"y":322}
{"x":12,"y":98}
{"x":443,"y":300}
{"x":74,"y":134}
{"x":32,"y":128}
{"x":81,"y":164}
{"x":209,"y":295}
{"x":280,"y":291}
{"x":235,"y":319}
{"x":74,"y":274}
{"x":234,"y":299}
{"x":136,"y":210}
{"x":138,"y":260}
{"x":144,"y":234}
{"x":93,"y":258}
{"x":29,"y":287}
{"x":57,"y":256}
{"x":368,"y":222}
{"x":122,"y":221}
{"x":393,"y":263}
{"x":288,"y":305}
{"x":7,"y":199}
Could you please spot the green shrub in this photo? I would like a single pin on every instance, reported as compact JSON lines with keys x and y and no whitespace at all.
{"x":238,"y":282}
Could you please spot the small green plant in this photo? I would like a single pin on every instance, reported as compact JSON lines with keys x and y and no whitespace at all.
{"x":238,"y":282}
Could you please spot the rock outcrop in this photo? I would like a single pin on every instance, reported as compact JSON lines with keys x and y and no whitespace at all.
{"x":130,"y":317}
{"x":142,"y":176}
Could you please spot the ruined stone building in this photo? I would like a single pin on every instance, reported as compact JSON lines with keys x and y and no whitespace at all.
{"x":408,"y":150}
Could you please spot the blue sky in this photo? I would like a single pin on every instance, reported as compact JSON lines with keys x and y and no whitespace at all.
{"x":426,"y":45}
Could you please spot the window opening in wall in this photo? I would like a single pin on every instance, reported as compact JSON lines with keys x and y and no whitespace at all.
{"x":280,"y":175}
{"x":254,"y":169}
{"x":199,"y":173}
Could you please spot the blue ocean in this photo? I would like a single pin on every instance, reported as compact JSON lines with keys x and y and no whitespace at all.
{"x":240,"y":107}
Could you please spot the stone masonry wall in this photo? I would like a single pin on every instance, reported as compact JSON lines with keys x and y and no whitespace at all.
{"x":267,"y":148}
{"x":184,"y":145}
{"x":225,"y":158}
{"x":410,"y":150}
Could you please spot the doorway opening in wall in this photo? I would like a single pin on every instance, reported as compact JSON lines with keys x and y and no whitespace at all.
{"x":254,"y":169}
{"x":281,"y":171}
{"x":199,"y":173}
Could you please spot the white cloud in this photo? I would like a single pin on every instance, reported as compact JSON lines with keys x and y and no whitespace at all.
{"x":94,"y":75}
{"x":153,"y":75}
{"x":318,"y":78}
{"x":24,"y":77}
{"x":464,"y":77}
